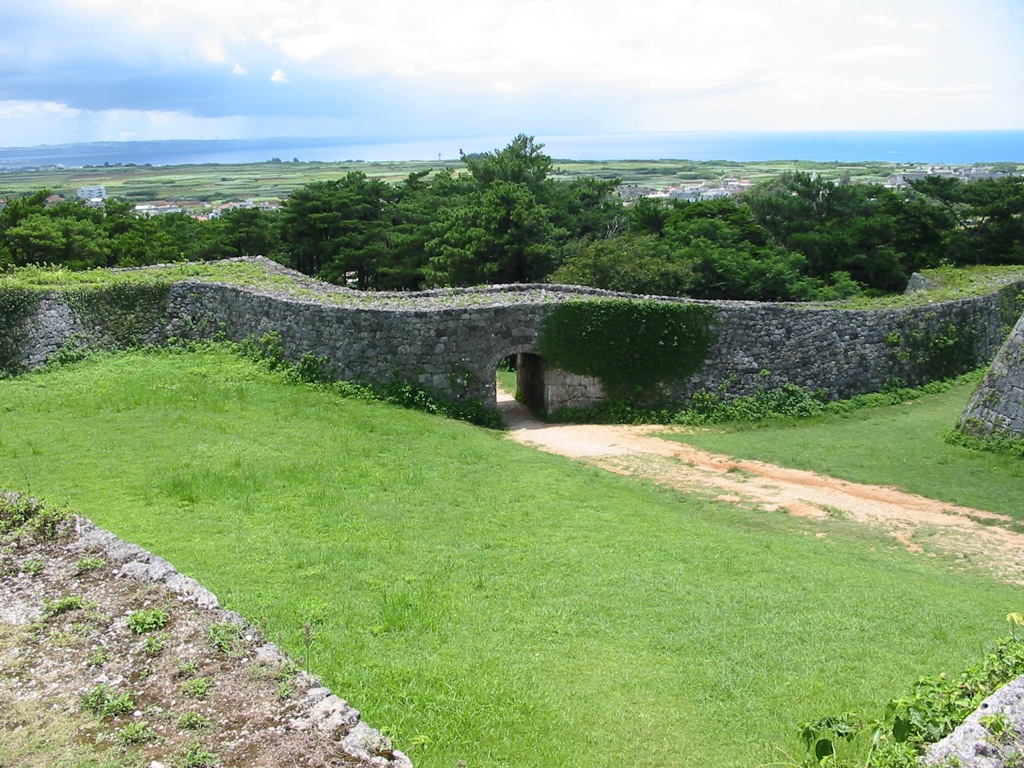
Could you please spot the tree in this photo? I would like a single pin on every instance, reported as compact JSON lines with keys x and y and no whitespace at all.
{"x":848,"y":229}
{"x":521,"y":162}
{"x":507,"y":221}
{"x":983,"y":218}
{"x":500,"y":235}
{"x":628,"y":263}
{"x":337,"y":229}
{"x":248,"y":232}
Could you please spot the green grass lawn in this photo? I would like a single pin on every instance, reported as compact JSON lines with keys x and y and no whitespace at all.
{"x":482,"y":601}
{"x":899,"y":445}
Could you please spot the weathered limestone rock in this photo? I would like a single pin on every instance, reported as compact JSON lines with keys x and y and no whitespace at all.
{"x":972,"y":746}
{"x":997,"y":407}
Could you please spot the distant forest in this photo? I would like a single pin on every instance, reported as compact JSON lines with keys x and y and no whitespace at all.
{"x":508,"y":220}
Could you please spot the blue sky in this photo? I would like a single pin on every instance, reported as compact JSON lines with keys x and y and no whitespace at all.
{"x":107,"y":70}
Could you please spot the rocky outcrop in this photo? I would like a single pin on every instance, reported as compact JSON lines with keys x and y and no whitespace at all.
{"x":996,"y":409}
{"x":973,"y":745}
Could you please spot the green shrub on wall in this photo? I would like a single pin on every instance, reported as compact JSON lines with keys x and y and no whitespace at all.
{"x":630,"y":345}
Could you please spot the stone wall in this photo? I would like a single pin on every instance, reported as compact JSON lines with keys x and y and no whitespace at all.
{"x":451,"y":341}
{"x":845,"y":351}
{"x":997,"y":407}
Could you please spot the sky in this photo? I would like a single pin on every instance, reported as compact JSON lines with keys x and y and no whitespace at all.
{"x":111,"y":70}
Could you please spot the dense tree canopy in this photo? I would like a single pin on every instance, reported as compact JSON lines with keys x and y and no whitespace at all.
{"x":507,"y":220}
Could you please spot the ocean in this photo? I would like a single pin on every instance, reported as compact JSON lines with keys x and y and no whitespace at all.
{"x":939,"y":148}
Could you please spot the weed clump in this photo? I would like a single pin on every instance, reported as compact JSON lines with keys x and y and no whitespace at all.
{"x":226,"y":638}
{"x":26,"y":517}
{"x":145,"y":621}
{"x":102,"y":701}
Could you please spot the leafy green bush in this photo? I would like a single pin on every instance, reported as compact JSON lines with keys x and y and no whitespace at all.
{"x":226,"y":638}
{"x":197,"y":687}
{"x":87,"y":564}
{"x":155,"y":643}
{"x":135,"y":733}
{"x":193,"y":721}
{"x":195,"y":755}
{"x":994,"y":442}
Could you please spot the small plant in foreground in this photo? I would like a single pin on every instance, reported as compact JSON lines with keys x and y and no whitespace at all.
{"x":197,"y":687}
{"x":227,"y":638}
{"x":141,"y":622}
{"x":196,"y":756}
{"x":193,"y":721}
{"x":98,"y":657}
{"x":307,"y":640}
{"x":31,"y":517}
{"x":102,"y":701}
{"x":61,"y":605}
{"x":155,"y":643}
{"x":134,"y":733}
{"x":87,"y":564}
{"x":33,"y":567}
{"x":1015,"y":620}
{"x":285,"y":690}
{"x":998,"y":726}
{"x":935,"y":706}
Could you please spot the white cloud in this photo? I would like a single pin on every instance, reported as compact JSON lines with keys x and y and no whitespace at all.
{"x":211,"y":49}
{"x":32,"y":110}
{"x":511,"y":65}
{"x":952,"y":89}
{"x":879,"y":20}
{"x":878,"y":52}
{"x":927,"y":25}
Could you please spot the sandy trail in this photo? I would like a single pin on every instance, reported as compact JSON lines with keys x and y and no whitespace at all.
{"x":967,"y":535}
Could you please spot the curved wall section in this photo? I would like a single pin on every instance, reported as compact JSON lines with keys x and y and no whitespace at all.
{"x":449,"y":342}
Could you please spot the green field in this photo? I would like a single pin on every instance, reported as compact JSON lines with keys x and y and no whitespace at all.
{"x":214,"y":183}
{"x":481,"y":601}
{"x":208,"y":183}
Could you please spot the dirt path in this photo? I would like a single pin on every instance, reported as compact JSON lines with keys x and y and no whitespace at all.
{"x":922,"y":525}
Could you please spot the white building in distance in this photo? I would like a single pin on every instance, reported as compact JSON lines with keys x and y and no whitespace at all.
{"x":93,"y":195}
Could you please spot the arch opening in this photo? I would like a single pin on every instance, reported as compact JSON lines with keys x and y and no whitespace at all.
{"x":522,"y":375}
{"x":528,"y":378}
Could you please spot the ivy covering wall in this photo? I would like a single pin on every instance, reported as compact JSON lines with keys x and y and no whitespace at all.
{"x":630,"y":345}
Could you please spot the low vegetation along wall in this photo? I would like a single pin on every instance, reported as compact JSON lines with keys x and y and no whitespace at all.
{"x":450,"y":341}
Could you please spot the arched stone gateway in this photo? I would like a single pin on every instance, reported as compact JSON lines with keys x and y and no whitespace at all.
{"x":449,"y":341}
